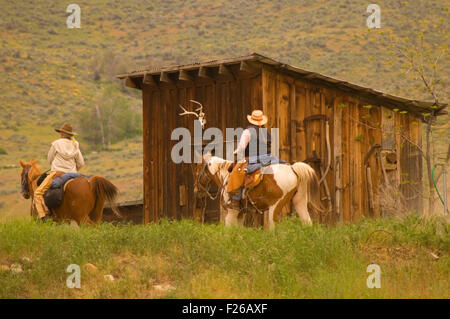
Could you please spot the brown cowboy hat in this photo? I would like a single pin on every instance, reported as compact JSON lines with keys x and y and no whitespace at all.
{"x":257,"y":118}
{"x":66,"y":129}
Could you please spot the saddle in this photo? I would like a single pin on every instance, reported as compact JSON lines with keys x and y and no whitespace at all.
{"x":248,"y":173}
{"x":252,"y":168}
{"x":54,"y":196}
{"x":252,"y":179}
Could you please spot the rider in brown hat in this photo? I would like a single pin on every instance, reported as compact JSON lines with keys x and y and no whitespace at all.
{"x":64,"y":156}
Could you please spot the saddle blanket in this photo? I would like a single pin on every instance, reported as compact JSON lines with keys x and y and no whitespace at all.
{"x":256,"y":162}
{"x":61,"y":180}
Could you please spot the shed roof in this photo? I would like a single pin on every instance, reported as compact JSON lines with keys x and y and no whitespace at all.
{"x":418,"y":107}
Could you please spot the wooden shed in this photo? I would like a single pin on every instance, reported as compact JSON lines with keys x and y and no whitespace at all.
{"x":372,"y":139}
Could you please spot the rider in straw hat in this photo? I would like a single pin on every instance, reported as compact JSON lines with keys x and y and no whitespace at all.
{"x":64,"y":156}
{"x":255,"y":140}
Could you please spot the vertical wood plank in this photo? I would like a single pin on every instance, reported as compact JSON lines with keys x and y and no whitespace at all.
{"x":346,"y":164}
{"x":337,"y":158}
{"x":389,"y":142}
{"x":416,"y":168}
{"x":374,"y":163}
{"x":293,"y":122}
{"x":282,"y":117}
{"x":300,"y":116}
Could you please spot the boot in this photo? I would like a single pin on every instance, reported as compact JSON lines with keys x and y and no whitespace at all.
{"x":45,"y":218}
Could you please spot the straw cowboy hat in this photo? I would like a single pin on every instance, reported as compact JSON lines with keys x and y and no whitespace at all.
{"x":66,"y":129}
{"x":257,"y":118}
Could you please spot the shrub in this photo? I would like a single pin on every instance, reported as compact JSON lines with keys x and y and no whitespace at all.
{"x":111,"y":121}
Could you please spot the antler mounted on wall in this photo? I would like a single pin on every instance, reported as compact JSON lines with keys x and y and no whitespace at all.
{"x":198,"y":113}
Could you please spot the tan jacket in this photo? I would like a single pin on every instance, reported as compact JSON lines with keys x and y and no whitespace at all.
{"x":65,"y":155}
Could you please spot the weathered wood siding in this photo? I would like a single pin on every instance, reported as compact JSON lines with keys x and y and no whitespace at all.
{"x":355,"y":126}
{"x":226,"y":99}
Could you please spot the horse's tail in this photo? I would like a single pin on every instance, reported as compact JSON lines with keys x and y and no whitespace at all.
{"x":308,"y":180}
{"x":106,"y":191}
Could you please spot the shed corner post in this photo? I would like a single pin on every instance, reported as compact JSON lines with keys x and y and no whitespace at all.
{"x":147,"y":161}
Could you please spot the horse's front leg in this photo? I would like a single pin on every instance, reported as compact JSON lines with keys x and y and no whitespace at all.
{"x":232,"y":214}
{"x":269,"y":224}
{"x":223,"y":214}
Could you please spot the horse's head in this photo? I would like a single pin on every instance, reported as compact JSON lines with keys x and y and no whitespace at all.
{"x":202,"y":175}
{"x":29,"y":172}
{"x":211,"y":169}
{"x":237,"y":177}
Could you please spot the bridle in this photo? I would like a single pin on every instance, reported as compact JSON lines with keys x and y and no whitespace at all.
{"x":206,"y":188}
{"x":25,"y":182}
{"x":25,"y":186}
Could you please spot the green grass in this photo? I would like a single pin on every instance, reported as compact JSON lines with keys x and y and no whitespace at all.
{"x":210,"y":261}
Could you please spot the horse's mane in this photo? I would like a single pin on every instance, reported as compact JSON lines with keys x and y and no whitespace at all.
{"x":35,"y":167}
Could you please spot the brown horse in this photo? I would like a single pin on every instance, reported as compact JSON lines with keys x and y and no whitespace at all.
{"x":84,"y":197}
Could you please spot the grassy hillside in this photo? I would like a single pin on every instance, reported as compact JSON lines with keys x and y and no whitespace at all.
{"x":50,"y":72}
{"x":188,"y":260}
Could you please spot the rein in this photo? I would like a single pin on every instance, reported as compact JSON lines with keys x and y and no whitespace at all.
{"x":25,"y":182}
{"x":203,"y":188}
{"x":253,"y":204}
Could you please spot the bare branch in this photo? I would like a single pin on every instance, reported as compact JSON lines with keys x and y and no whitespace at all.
{"x":383,"y":131}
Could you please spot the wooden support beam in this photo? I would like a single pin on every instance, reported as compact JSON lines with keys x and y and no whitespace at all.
{"x":224,"y":70}
{"x":184,"y":76}
{"x":165,"y":77}
{"x":205,"y":72}
{"x":148,"y":79}
{"x":129,"y":82}
{"x":310,"y":76}
{"x":246,"y":67}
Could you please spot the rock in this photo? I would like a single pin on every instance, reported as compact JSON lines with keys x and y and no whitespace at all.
{"x":109,"y":277}
{"x":4,"y":268}
{"x":90,"y":267}
{"x":74,"y":224}
{"x":16,"y":268}
{"x":164,"y":287}
{"x":435,"y":257}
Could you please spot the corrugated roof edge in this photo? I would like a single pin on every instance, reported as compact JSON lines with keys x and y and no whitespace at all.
{"x":311,"y":75}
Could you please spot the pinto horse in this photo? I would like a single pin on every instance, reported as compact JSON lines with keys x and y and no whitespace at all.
{"x":215,"y":170}
{"x":280,"y":184}
{"x":84,"y":197}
